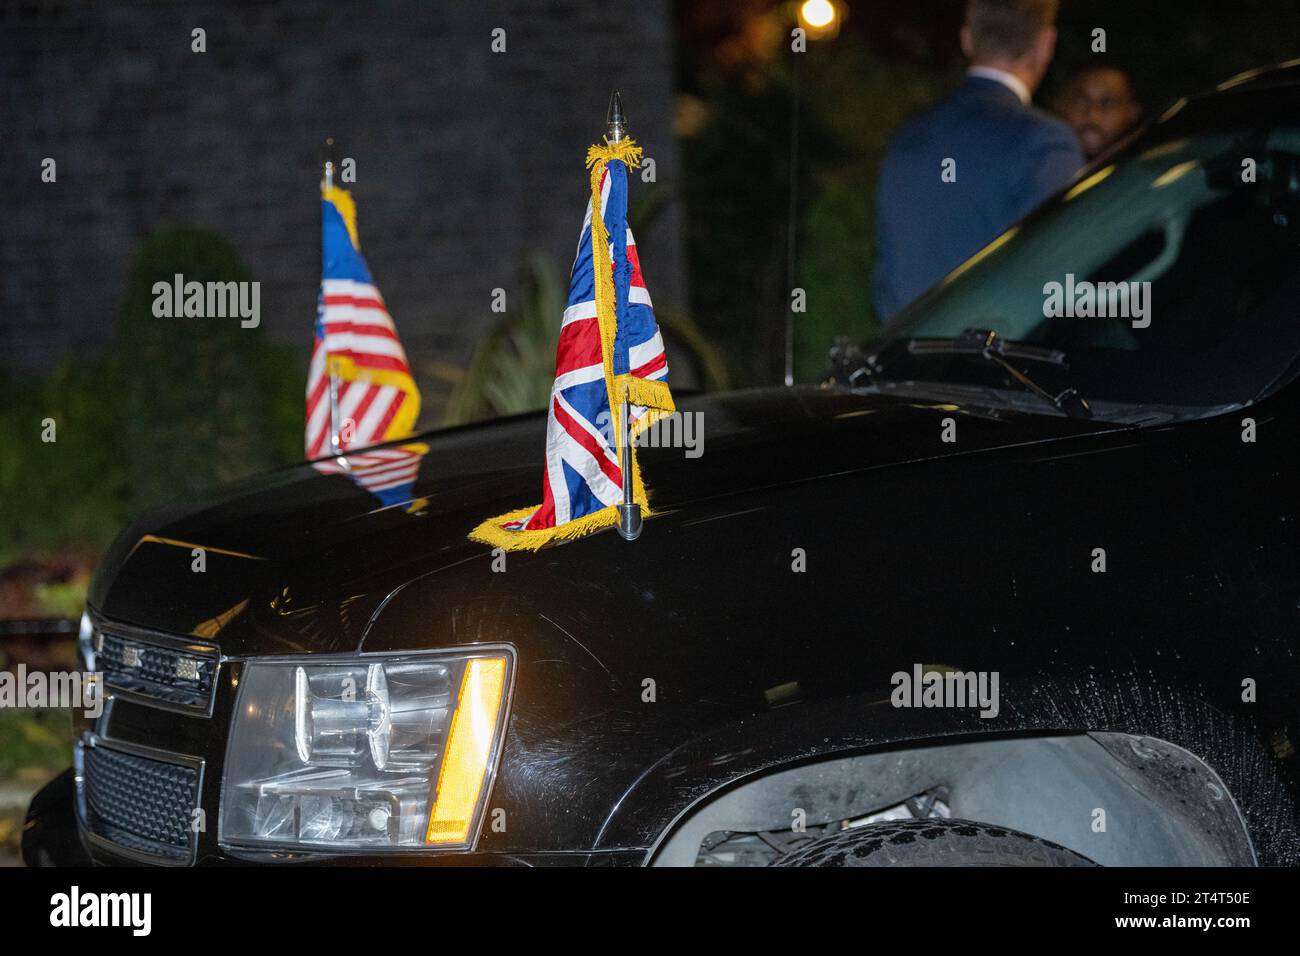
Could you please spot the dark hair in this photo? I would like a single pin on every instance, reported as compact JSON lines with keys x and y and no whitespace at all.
{"x":1089,"y":69}
{"x":1006,"y":28}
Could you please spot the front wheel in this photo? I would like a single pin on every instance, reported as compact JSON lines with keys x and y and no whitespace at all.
{"x":932,"y":842}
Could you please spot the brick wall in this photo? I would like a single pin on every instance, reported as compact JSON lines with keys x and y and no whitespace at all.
{"x":467,"y":160}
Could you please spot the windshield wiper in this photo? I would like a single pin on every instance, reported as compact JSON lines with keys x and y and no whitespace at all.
{"x":987,"y":345}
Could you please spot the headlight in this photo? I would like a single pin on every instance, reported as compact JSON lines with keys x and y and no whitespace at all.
{"x":368,"y":752}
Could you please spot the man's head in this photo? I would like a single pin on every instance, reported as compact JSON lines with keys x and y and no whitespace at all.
{"x":1018,"y":36}
{"x":1098,"y":102}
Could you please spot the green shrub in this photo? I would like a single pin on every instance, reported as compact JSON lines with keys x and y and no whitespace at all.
{"x":177,"y":406}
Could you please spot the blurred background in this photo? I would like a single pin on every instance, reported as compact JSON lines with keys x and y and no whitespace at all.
{"x":469,"y":179}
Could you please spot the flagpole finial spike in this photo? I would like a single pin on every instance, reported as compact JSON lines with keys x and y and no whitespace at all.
{"x":615,"y":119}
{"x":328,"y":163}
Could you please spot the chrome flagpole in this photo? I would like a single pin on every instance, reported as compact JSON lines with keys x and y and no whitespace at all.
{"x":629,"y":512}
{"x":336,"y":446}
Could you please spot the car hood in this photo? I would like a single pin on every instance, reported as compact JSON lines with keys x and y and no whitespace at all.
{"x":314,"y":540}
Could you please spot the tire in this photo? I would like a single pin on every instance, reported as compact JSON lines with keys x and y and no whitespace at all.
{"x":932,"y":843}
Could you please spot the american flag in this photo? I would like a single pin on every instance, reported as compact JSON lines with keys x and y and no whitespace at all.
{"x":387,"y":473}
{"x":599,"y":356}
{"x":377,"y":398}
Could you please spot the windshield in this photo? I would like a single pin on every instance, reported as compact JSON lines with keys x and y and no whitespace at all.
{"x":1169,"y":278}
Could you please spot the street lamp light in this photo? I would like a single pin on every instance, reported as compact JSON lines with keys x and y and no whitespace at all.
{"x":817,"y":14}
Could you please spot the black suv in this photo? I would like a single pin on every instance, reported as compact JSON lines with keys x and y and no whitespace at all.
{"x":1018,"y":585}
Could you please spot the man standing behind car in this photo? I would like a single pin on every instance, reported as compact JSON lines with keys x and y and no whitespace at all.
{"x":957,"y":176}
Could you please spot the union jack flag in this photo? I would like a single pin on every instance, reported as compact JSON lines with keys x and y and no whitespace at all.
{"x":355,"y":336}
{"x":610,"y":346}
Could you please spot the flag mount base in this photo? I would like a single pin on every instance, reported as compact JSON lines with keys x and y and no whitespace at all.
{"x":629,"y":521}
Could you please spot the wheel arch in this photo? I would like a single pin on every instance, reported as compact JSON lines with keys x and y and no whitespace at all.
{"x":1119,"y":799}
{"x":1128,"y":701}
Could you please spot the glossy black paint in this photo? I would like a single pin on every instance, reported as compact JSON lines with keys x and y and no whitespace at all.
{"x":975,"y":554}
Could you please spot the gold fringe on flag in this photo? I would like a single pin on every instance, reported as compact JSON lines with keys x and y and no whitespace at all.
{"x":655,"y":396}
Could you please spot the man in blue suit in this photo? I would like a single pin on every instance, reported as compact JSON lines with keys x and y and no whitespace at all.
{"x":958,"y":175}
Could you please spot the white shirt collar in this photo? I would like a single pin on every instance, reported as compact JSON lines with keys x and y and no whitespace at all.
{"x":1009,"y":80}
